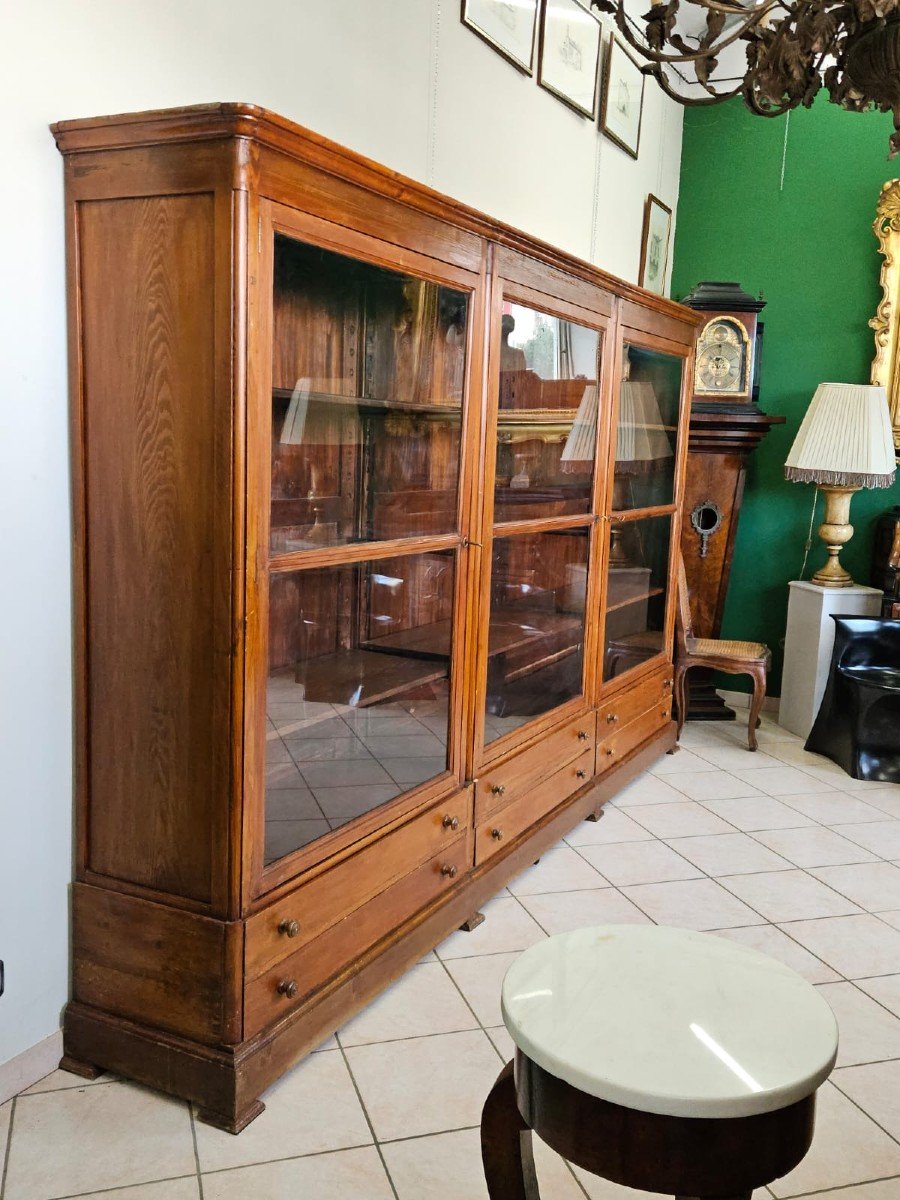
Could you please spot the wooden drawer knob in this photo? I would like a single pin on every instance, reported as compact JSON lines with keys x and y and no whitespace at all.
{"x":668,"y":682}
{"x":497,"y":789}
{"x":611,"y":718}
{"x":289,"y":928}
{"x":665,"y":712}
{"x":449,"y":870}
{"x":288,"y":988}
{"x":450,"y":822}
{"x":609,"y":750}
{"x":582,"y":735}
{"x":497,"y":835}
{"x":581,"y":774}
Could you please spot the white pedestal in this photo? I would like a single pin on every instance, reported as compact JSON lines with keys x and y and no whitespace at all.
{"x":808,"y":644}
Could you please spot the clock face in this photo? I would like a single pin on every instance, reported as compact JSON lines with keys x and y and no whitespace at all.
{"x":723,"y":359}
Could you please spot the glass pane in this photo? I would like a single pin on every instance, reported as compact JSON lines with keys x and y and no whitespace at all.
{"x":636,"y":594}
{"x":367,"y":372}
{"x":647,"y":429}
{"x":536,"y":635}
{"x":358,"y":691}
{"x":547,"y":418}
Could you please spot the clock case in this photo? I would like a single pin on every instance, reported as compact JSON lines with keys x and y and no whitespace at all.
{"x":723,"y":433}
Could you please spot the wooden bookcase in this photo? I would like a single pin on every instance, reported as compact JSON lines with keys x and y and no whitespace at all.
{"x":376,"y":501}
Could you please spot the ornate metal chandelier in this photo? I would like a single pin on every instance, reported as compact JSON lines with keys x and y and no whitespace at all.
{"x":794,"y":48}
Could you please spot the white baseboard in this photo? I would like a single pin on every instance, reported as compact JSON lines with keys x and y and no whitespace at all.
{"x":742,"y":700}
{"x":30,"y":1066}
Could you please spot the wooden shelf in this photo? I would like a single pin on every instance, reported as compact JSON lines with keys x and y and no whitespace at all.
{"x":645,"y":595}
{"x":365,"y":675}
{"x":446,"y":410}
{"x":509,"y":630}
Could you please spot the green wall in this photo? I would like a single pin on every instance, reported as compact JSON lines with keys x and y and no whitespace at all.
{"x":807,"y":244}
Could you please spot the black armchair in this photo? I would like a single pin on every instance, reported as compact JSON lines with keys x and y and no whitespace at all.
{"x":858,"y":725}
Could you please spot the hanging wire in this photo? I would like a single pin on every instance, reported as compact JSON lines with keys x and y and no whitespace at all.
{"x":809,"y":536}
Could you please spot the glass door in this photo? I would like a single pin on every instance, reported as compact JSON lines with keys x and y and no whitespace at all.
{"x":643,"y":509}
{"x":547,"y":385}
{"x":364,"y":539}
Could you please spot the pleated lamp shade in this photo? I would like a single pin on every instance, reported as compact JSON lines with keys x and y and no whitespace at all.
{"x":578,"y":453}
{"x":845,"y":439}
{"x":641,"y":437}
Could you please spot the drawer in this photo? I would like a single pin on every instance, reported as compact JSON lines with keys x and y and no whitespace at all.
{"x":614,"y":749}
{"x":516,"y":775}
{"x":314,"y":906}
{"x":285,"y":985}
{"x":631,"y":702}
{"x":495,"y":832}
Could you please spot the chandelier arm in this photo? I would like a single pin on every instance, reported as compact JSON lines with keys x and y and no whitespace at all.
{"x":714,"y":97}
{"x":657,"y":56}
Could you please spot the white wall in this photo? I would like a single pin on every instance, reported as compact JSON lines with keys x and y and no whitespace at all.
{"x":401,"y":81}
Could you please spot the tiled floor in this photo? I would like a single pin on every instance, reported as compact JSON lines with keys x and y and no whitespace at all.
{"x":779,"y":851}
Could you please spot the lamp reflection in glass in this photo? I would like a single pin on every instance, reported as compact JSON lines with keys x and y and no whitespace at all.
{"x":642,"y":443}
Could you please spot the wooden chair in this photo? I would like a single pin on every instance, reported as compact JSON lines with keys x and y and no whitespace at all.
{"x":735,"y":658}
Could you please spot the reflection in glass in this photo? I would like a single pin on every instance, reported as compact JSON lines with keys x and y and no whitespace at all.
{"x":636,"y":595}
{"x":647,"y":430}
{"x":536,"y":634}
{"x":368,"y":371}
{"x":358,"y":690}
{"x":547,"y":418}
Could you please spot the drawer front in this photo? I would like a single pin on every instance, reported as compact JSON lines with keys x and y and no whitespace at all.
{"x":615,"y":748}
{"x":630,"y":703}
{"x":495,"y":832}
{"x":314,"y":906}
{"x":284,"y":986}
{"x":518,"y":774}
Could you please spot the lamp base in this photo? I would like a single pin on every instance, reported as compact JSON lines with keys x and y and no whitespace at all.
{"x":835,"y":531}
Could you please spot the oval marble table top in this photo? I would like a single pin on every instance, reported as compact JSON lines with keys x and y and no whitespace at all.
{"x":669,"y":1021}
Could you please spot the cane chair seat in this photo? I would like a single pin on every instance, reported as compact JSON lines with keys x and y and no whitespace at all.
{"x":723,"y":648}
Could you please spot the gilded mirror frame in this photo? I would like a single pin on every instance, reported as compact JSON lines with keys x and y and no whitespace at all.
{"x":886,"y":322}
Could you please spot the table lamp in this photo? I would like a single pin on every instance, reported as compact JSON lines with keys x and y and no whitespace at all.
{"x":642,"y":442}
{"x":844,"y":443}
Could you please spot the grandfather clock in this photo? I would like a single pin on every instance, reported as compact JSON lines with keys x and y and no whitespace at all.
{"x":726,"y":427}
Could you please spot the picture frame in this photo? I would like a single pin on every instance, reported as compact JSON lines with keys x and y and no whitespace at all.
{"x":655,"y":238}
{"x":623,"y":98}
{"x":569,"y":57}
{"x":508,"y":26}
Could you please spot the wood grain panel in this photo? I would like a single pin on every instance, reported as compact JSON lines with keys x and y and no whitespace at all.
{"x":157,"y":444}
{"x":166,"y":968}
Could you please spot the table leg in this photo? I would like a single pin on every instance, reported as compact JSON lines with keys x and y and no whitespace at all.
{"x":506,"y":1144}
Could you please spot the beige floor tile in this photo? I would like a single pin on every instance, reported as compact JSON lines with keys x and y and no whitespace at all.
{"x":687,"y":819}
{"x":639,"y":862}
{"x":868,"y":1033}
{"x":169,"y":1189}
{"x":876,"y":1089}
{"x":346,"y":1175}
{"x":647,"y":789}
{"x":602,"y":1189}
{"x":751,"y":813}
{"x":5,"y":1115}
{"x":728,"y":854}
{"x":479,"y":979}
{"x":428,"y":1085}
{"x":614,"y":825}
{"x":561,"y":912}
{"x":874,"y":886}
{"x":95,"y":1138}
{"x":884,"y":1189}
{"x":559,"y":870}
{"x":506,"y":1047}
{"x":691,"y":904}
{"x":507,"y":926}
{"x":788,"y":896}
{"x":780,"y":781}
{"x":834,"y":808}
{"x":767,"y":939}
{"x":676,"y":764}
{"x":887,"y":800}
{"x":857,"y":947}
{"x":449,"y":1164}
{"x":847,"y":1148}
{"x":813,"y":847}
{"x":892,"y":918}
{"x":881,"y":837}
{"x":885,"y":989}
{"x":712,"y":785}
{"x":424,"y":1001}
{"x":312,"y":1109}
{"x":729,"y":756}
{"x":697,"y":734}
{"x":58,"y":1080}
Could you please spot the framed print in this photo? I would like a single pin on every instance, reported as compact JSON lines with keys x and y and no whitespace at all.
{"x":507,"y":25}
{"x":655,"y":245}
{"x":623,"y":98}
{"x":570,"y":54}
